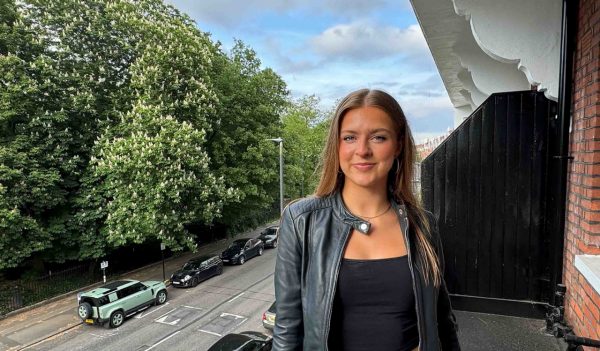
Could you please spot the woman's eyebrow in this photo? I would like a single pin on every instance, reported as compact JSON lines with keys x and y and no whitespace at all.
{"x":377,"y":130}
{"x":371,"y":131}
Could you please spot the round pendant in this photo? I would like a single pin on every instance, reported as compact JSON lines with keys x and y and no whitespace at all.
{"x":364,"y":227}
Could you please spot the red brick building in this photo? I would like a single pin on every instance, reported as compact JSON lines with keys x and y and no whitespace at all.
{"x":581,"y":273}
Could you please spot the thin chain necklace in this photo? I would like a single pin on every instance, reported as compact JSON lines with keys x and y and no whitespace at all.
{"x":379,"y":215}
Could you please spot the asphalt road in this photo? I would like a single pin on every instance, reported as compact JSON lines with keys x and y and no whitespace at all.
{"x":192,"y":319}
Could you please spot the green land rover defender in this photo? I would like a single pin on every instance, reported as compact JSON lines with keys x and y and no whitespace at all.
{"x":108,"y":305}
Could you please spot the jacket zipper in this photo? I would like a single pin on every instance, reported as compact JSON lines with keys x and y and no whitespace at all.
{"x":335,"y":277}
{"x":417,"y":298}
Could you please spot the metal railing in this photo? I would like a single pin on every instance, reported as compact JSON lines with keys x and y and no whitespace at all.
{"x":21,"y":293}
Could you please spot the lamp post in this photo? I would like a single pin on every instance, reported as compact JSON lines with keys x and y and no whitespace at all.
{"x":280,"y":141}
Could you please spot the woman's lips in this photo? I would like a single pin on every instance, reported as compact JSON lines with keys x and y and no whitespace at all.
{"x":363,"y":166}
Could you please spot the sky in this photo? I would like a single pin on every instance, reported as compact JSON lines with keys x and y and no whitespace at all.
{"x":329,"y":48}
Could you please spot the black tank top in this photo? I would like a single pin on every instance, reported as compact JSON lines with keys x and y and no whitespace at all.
{"x":374,"y":307}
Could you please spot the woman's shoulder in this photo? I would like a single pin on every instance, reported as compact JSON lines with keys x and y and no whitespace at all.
{"x":309,"y":204}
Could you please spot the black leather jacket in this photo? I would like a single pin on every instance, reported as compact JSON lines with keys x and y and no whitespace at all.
{"x":312,"y":239}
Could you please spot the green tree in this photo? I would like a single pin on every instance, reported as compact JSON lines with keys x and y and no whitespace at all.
{"x":79,"y":82}
{"x":305,"y":129}
{"x":153,"y":168}
{"x":251,"y":102}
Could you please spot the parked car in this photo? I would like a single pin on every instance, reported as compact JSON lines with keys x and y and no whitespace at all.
{"x":269,"y":236}
{"x":242,"y":250}
{"x":268,"y":317}
{"x":245,"y":341}
{"x":108,"y":305}
{"x":197,"y":270}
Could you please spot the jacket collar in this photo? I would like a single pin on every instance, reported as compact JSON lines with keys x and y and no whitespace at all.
{"x":361,"y":225}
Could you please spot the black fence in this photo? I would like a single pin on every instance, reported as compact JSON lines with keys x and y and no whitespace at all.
{"x":487,"y":184}
{"x":18,"y":294}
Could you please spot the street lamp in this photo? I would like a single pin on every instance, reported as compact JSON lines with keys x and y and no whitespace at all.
{"x":280,"y":141}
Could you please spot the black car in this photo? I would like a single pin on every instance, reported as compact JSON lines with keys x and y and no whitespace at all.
{"x":197,"y":270}
{"x":245,"y":341}
{"x":242,"y":250}
{"x":269,"y":236}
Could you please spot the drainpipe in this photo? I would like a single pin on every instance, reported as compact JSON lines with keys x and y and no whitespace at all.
{"x":568,"y":33}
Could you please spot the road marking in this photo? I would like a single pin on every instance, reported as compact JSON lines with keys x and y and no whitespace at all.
{"x":163,"y":321}
{"x":104,"y":335}
{"x":216,"y":307}
{"x":166,"y":313}
{"x":209,"y":332}
{"x":236,"y":296}
{"x":163,"y":340}
{"x":192,"y":307}
{"x":142,"y":315}
{"x":223,"y":314}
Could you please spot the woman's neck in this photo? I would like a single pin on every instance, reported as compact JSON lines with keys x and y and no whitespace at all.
{"x":365,"y":202}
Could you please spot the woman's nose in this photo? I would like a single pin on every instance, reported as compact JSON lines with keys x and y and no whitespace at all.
{"x":363,"y":149}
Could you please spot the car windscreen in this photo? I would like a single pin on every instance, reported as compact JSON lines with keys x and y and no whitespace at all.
{"x":191,"y":266}
{"x":237,"y":244}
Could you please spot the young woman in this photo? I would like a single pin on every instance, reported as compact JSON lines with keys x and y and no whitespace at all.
{"x":359,"y":265}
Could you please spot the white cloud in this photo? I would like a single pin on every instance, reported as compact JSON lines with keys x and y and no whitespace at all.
{"x":233,"y":13}
{"x":366,"y":40}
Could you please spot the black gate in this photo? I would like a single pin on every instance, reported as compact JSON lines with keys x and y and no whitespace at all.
{"x":487,"y":185}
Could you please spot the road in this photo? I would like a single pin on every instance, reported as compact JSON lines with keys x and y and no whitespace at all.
{"x":192,"y":319}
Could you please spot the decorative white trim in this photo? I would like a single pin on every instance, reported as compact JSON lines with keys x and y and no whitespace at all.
{"x":526,"y":33}
{"x":589,"y":267}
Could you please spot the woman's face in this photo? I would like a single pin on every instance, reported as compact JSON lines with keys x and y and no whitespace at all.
{"x":368,"y":146}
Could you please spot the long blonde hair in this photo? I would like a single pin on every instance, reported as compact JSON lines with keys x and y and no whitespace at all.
{"x":399,"y":177}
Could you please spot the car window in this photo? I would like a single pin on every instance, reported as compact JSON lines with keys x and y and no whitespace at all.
{"x":129,"y":290}
{"x":137,"y":287}
{"x":252,"y":346}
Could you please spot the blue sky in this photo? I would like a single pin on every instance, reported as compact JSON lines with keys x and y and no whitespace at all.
{"x":331,"y":47}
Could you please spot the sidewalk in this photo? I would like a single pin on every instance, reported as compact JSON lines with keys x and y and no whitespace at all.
{"x":483,"y":332}
{"x":58,"y":315}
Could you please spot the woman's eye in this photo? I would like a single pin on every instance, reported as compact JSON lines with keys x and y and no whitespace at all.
{"x":348,"y":138}
{"x":379,"y":138}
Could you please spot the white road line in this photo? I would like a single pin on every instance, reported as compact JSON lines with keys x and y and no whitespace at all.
{"x":163,"y":321}
{"x":192,"y":307}
{"x":166,"y":313}
{"x":209,"y":332}
{"x":231,"y":314}
{"x":142,"y":315}
{"x":236,"y":296}
{"x":163,"y":340}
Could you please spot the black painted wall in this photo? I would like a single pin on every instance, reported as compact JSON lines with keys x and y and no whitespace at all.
{"x":487,"y":185}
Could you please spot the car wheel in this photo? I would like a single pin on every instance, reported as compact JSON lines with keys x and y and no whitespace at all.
{"x":116,"y":319}
{"x":195,"y":282}
{"x":242,"y":260}
{"x":161,"y":297}
{"x":260,"y":251}
{"x":275,"y":244}
{"x":84,"y":310}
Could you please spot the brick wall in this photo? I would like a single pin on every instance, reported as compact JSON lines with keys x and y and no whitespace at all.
{"x":582,"y":236}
